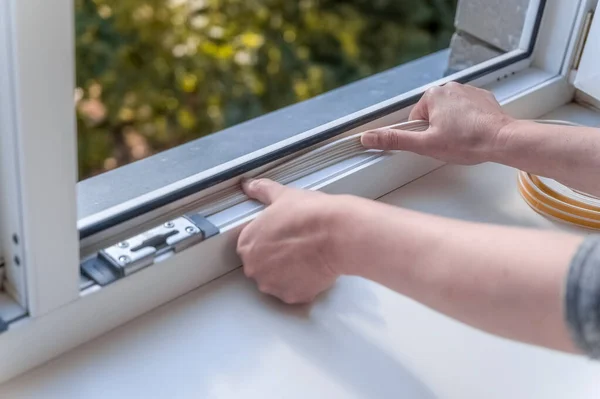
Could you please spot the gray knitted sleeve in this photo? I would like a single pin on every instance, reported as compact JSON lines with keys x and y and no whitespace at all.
{"x":582,"y":299}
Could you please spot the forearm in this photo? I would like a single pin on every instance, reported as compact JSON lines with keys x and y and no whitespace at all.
{"x":570,"y":155}
{"x":503,"y":280}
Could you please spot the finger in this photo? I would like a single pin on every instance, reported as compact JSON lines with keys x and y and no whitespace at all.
{"x":392,"y":139}
{"x":244,"y":241}
{"x":452,"y":85}
{"x":264,"y":190}
{"x":420,"y":111}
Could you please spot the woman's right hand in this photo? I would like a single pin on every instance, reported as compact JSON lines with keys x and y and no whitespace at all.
{"x":467,"y":126}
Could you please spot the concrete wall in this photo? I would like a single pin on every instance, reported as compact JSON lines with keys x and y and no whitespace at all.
{"x":484,"y":30}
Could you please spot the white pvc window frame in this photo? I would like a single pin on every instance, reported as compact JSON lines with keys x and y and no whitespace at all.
{"x":38,"y":120}
{"x":40,"y":158}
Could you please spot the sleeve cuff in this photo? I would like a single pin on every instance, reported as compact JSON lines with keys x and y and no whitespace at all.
{"x":582,"y":299}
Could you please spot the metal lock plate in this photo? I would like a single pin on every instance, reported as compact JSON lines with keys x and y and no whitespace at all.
{"x":140,"y":251}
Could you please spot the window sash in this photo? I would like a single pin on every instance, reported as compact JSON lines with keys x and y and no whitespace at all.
{"x":116,"y":220}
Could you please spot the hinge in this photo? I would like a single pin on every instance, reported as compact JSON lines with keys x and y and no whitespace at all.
{"x":585,"y":32}
{"x":143,"y":250}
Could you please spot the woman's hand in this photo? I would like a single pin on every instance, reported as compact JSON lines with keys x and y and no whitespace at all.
{"x":466,"y":125}
{"x":289,"y":249}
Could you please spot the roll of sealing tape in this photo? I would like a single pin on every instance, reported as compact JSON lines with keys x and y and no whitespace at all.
{"x":557,"y":201}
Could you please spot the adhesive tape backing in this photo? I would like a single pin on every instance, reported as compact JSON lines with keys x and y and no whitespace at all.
{"x":557,"y":201}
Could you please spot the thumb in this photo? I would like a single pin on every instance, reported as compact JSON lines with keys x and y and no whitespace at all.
{"x":392,"y":139}
{"x":264,"y":190}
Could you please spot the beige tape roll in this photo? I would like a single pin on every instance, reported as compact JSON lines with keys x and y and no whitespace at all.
{"x":554,"y":200}
{"x":557,"y":201}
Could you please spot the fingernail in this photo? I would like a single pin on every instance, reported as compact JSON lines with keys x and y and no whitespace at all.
{"x":369,"y":139}
{"x":246,"y":182}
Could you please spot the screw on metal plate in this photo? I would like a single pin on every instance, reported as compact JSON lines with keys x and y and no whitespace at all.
{"x":169,"y":225}
{"x":124,"y":259}
{"x":190,"y":230}
{"x":123,"y":244}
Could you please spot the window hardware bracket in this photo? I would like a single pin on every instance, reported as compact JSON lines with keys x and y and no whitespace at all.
{"x":140,"y":251}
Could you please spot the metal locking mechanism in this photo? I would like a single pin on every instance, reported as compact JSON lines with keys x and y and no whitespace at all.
{"x":138,"y":252}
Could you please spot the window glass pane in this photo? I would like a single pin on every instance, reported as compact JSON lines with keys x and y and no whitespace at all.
{"x":158,"y":73}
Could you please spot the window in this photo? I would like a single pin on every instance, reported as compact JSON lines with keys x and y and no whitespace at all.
{"x":38,"y":134}
{"x":155,"y":74}
{"x":325,"y":46}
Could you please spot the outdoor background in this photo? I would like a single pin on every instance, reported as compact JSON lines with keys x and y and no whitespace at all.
{"x":154,"y":74}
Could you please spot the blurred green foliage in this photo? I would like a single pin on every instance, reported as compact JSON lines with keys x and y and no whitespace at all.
{"x":152,"y":74}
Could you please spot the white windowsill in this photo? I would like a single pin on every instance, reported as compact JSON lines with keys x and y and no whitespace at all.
{"x":359,"y":340}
